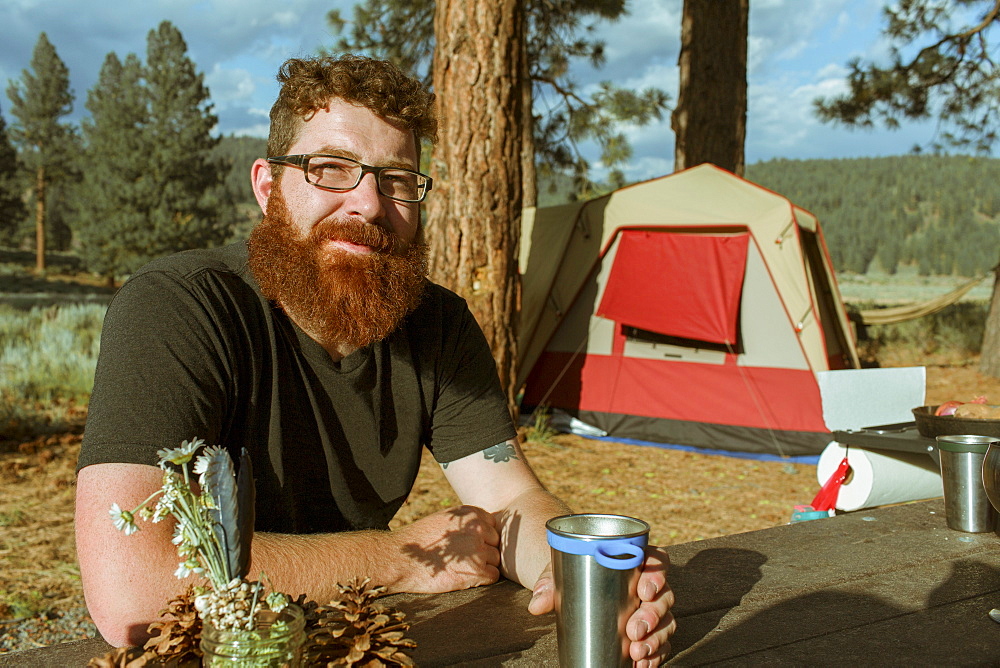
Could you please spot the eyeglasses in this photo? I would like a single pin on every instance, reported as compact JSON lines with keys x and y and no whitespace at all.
{"x":332,"y":172}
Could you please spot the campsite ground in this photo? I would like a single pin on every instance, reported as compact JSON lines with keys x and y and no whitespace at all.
{"x":684,"y":496}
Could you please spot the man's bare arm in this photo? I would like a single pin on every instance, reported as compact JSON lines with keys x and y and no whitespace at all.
{"x":500,"y":480}
{"x":128,"y":580}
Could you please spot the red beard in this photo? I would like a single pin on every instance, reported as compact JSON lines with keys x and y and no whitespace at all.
{"x":338,"y":297}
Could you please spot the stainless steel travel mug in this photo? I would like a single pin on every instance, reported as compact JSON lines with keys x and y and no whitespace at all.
{"x":966,"y":506}
{"x":596,"y":562}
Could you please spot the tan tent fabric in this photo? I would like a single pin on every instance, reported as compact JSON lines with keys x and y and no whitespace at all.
{"x":560,"y":246}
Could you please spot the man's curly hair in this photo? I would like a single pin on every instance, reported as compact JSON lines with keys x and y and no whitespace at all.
{"x":309,"y":84}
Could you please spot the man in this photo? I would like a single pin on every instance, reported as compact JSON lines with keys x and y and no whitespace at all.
{"x":320,"y":347}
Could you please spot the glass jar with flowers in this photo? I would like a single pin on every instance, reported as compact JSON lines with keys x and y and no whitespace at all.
{"x":241,"y":623}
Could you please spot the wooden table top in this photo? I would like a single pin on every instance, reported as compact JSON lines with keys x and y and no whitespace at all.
{"x":888,"y":586}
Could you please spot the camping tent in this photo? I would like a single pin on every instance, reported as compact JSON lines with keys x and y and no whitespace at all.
{"x":691,"y":309}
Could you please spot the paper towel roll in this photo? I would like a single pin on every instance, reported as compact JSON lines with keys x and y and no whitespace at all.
{"x":880,"y":477}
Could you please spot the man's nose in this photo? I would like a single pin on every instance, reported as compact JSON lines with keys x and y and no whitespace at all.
{"x":364,"y":201}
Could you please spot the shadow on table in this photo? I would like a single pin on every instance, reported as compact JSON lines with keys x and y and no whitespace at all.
{"x":846,"y":628}
{"x":707,"y":587}
{"x":493,"y":623}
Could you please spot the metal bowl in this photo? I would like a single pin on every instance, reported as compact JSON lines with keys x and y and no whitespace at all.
{"x":931,"y":425}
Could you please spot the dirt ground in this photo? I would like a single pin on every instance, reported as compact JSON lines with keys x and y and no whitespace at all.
{"x":684,"y":496}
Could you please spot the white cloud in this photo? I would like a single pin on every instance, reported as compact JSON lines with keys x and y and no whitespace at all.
{"x":230,"y":85}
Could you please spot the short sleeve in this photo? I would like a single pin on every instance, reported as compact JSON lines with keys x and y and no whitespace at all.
{"x":166,"y":370}
{"x":470,"y":408}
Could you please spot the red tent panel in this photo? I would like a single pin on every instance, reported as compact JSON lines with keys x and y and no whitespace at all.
{"x":768,"y":398}
{"x":683,"y":285}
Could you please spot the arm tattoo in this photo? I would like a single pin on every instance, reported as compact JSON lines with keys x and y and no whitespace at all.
{"x":501,"y":452}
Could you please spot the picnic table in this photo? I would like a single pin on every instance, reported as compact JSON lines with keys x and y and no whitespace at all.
{"x":887,"y":586}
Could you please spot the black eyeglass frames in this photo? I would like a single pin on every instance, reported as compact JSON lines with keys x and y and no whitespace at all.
{"x":334,"y":172}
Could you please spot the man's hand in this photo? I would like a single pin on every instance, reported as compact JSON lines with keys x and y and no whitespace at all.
{"x":452,"y":549}
{"x":650,"y":627}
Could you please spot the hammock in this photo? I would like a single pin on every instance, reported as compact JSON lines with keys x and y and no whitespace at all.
{"x":888,"y":316}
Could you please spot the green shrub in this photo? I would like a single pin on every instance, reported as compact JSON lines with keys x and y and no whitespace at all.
{"x":47,"y":361}
{"x":50,"y":353}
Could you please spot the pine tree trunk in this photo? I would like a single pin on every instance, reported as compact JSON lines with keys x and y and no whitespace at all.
{"x":709,"y":121}
{"x":40,"y":219}
{"x":474,"y":212}
{"x":989,"y":356}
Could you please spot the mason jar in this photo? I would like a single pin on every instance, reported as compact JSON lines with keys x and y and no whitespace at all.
{"x":275,"y":642}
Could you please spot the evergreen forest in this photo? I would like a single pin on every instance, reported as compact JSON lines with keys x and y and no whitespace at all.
{"x":938,"y":215}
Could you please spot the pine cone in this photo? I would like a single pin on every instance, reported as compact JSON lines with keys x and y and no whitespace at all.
{"x":355,"y":631}
{"x":120,"y":657}
{"x":179,"y":636}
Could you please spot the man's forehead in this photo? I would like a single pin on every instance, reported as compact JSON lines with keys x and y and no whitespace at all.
{"x":343,"y":126}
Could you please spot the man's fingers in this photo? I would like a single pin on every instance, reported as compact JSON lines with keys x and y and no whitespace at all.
{"x":543,"y":594}
{"x":653,"y":579}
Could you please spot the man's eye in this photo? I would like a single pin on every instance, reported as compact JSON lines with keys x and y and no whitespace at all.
{"x":330,"y":167}
{"x":399,"y":178}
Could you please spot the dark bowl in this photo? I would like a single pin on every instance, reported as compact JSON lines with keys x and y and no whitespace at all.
{"x":931,"y":425}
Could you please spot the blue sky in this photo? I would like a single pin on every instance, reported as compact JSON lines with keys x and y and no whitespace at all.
{"x":798,"y":50}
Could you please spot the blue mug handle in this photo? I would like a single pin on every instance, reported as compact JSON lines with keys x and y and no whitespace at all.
{"x":607,"y":553}
{"x":610,"y":556}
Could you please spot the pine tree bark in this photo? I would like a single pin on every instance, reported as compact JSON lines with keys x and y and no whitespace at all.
{"x":989,"y":355}
{"x":40,"y":182}
{"x":709,"y":121}
{"x":474,"y":211}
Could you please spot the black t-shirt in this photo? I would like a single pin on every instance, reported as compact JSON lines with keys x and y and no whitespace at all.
{"x":190,"y":348}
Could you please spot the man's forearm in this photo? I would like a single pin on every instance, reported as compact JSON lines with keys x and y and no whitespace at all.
{"x":524,"y":550}
{"x":315,"y":564}
{"x":448,"y":550}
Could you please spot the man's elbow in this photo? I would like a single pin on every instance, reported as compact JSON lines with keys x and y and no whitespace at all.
{"x":120,"y":624}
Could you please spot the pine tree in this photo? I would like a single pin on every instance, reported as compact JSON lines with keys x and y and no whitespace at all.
{"x":188,"y":206}
{"x":153,"y":184}
{"x":555,"y":35}
{"x":39,"y":100}
{"x":12,"y":210}
{"x":935,"y":70}
{"x":116,"y":189}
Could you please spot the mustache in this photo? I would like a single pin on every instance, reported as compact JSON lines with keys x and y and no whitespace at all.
{"x":365,"y":234}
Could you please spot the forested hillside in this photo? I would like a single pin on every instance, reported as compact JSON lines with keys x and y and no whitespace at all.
{"x":939,"y":214}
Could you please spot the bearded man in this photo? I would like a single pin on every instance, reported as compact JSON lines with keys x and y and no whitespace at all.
{"x":321,"y":348}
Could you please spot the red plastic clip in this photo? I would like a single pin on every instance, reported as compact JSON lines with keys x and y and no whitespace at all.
{"x":826,"y":498}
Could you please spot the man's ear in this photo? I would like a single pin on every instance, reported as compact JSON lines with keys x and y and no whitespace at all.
{"x":261,"y":181}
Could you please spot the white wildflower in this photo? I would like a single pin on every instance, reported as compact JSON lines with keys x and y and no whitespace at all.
{"x":189,"y":567}
{"x":201,"y":464}
{"x":181,"y":455}
{"x":123,"y":520}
